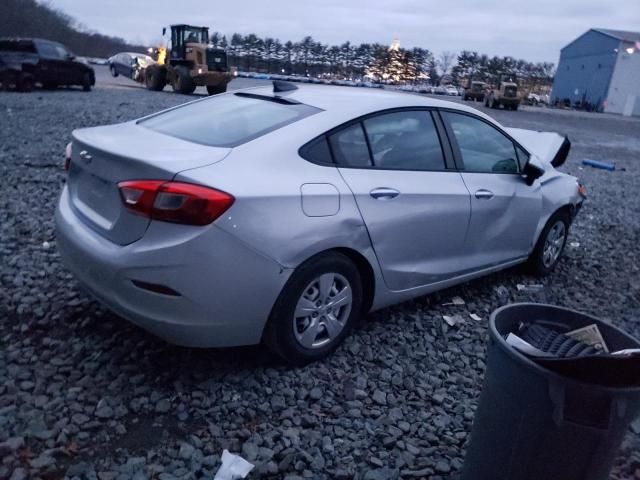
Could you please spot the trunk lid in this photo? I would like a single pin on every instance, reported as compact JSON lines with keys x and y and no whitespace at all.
{"x":104,"y":156}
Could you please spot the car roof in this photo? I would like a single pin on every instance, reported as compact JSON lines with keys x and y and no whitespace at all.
{"x":28,"y":39}
{"x":352,"y":102}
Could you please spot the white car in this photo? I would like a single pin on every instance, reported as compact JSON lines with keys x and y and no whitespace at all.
{"x":284,"y":214}
{"x":451,"y":90}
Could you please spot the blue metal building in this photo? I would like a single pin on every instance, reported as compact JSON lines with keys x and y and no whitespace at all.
{"x":594,"y":69}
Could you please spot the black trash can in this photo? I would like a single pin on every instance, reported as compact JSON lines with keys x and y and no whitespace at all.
{"x":534,"y":424}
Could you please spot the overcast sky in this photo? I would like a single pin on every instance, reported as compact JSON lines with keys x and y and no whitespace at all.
{"x":531,"y":29}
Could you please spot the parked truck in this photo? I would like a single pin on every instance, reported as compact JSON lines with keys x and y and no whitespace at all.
{"x":475,"y":91}
{"x":506,"y":94}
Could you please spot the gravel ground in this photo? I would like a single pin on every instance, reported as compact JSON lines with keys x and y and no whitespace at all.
{"x":85,"y":394}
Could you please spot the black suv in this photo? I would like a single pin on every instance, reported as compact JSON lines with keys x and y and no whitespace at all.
{"x":26,"y":61}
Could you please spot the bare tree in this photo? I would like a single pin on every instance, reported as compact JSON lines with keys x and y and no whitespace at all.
{"x":445,"y":61}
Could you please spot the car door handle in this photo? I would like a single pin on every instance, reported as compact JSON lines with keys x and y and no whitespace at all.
{"x":484,"y":194}
{"x":384,"y":193}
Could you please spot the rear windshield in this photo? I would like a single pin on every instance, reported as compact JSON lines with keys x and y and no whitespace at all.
{"x":228,"y":120}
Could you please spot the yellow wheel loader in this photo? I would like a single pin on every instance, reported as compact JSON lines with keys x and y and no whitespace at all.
{"x":189,"y":62}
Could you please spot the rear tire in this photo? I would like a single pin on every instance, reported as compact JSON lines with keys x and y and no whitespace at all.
{"x":182,"y":81}
{"x":300,"y":339}
{"x":550,"y":246}
{"x":112,"y":69}
{"x":25,"y":83}
{"x":216,"y":89}
{"x":155,"y":78}
{"x":515,"y":108}
{"x":49,"y":85}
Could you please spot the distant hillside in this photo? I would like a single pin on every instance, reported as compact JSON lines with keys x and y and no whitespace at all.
{"x":28,"y":18}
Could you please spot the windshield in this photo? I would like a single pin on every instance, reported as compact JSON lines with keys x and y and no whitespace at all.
{"x":144,"y":60}
{"x":195,"y":35}
{"x":228,"y":120}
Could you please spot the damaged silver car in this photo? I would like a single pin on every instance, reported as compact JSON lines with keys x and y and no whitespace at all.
{"x":282,"y":215}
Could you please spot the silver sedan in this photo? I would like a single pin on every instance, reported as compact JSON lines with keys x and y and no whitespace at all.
{"x":282,"y":215}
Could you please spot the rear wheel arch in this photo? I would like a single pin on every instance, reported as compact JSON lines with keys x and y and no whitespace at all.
{"x":365,"y":269}
{"x":367,"y":276}
{"x":281,"y":332}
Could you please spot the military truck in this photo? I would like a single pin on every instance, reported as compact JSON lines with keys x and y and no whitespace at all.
{"x":506,"y":95}
{"x":189,"y":62}
{"x":475,"y":91}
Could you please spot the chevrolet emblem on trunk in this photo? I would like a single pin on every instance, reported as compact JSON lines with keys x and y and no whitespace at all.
{"x":85,"y":156}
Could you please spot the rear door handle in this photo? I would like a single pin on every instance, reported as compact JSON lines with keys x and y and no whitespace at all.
{"x":384,"y":193}
{"x":484,"y":194}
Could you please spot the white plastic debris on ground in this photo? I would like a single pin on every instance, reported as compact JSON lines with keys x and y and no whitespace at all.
{"x":475,"y":316}
{"x":453,"y":320}
{"x":530,"y":288}
{"x":233,"y":467}
{"x":457,"y":301}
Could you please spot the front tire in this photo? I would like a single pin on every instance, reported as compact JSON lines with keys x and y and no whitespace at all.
{"x":316,"y":309}
{"x":551,"y":244}
{"x":112,"y":69}
{"x":182,"y":81}
{"x":86,"y":82}
{"x":155,"y":78}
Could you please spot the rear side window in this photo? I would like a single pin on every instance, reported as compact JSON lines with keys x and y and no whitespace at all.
{"x":349,"y":147}
{"x":317,"y":151}
{"x":21,"y":46}
{"x":228,"y":120}
{"x":404,"y":141}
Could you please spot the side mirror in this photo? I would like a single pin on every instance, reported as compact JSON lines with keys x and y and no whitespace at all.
{"x":71,"y":56}
{"x":532,"y":171}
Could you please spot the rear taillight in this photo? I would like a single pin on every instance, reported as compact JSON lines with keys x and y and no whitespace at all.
{"x":174,"y":201}
{"x":67,"y":156}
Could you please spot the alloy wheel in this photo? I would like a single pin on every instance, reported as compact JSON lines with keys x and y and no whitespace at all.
{"x":322,"y":311}
{"x":554,"y":243}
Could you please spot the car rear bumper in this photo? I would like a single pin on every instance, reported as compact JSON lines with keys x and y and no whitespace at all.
{"x":224,"y":291}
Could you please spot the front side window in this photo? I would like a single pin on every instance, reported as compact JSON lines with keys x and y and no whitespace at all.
{"x":523,"y":158}
{"x":483,"y":148}
{"x":63,"y":53}
{"x":48,"y":50}
{"x":405,"y":140}
{"x":227,"y":120}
